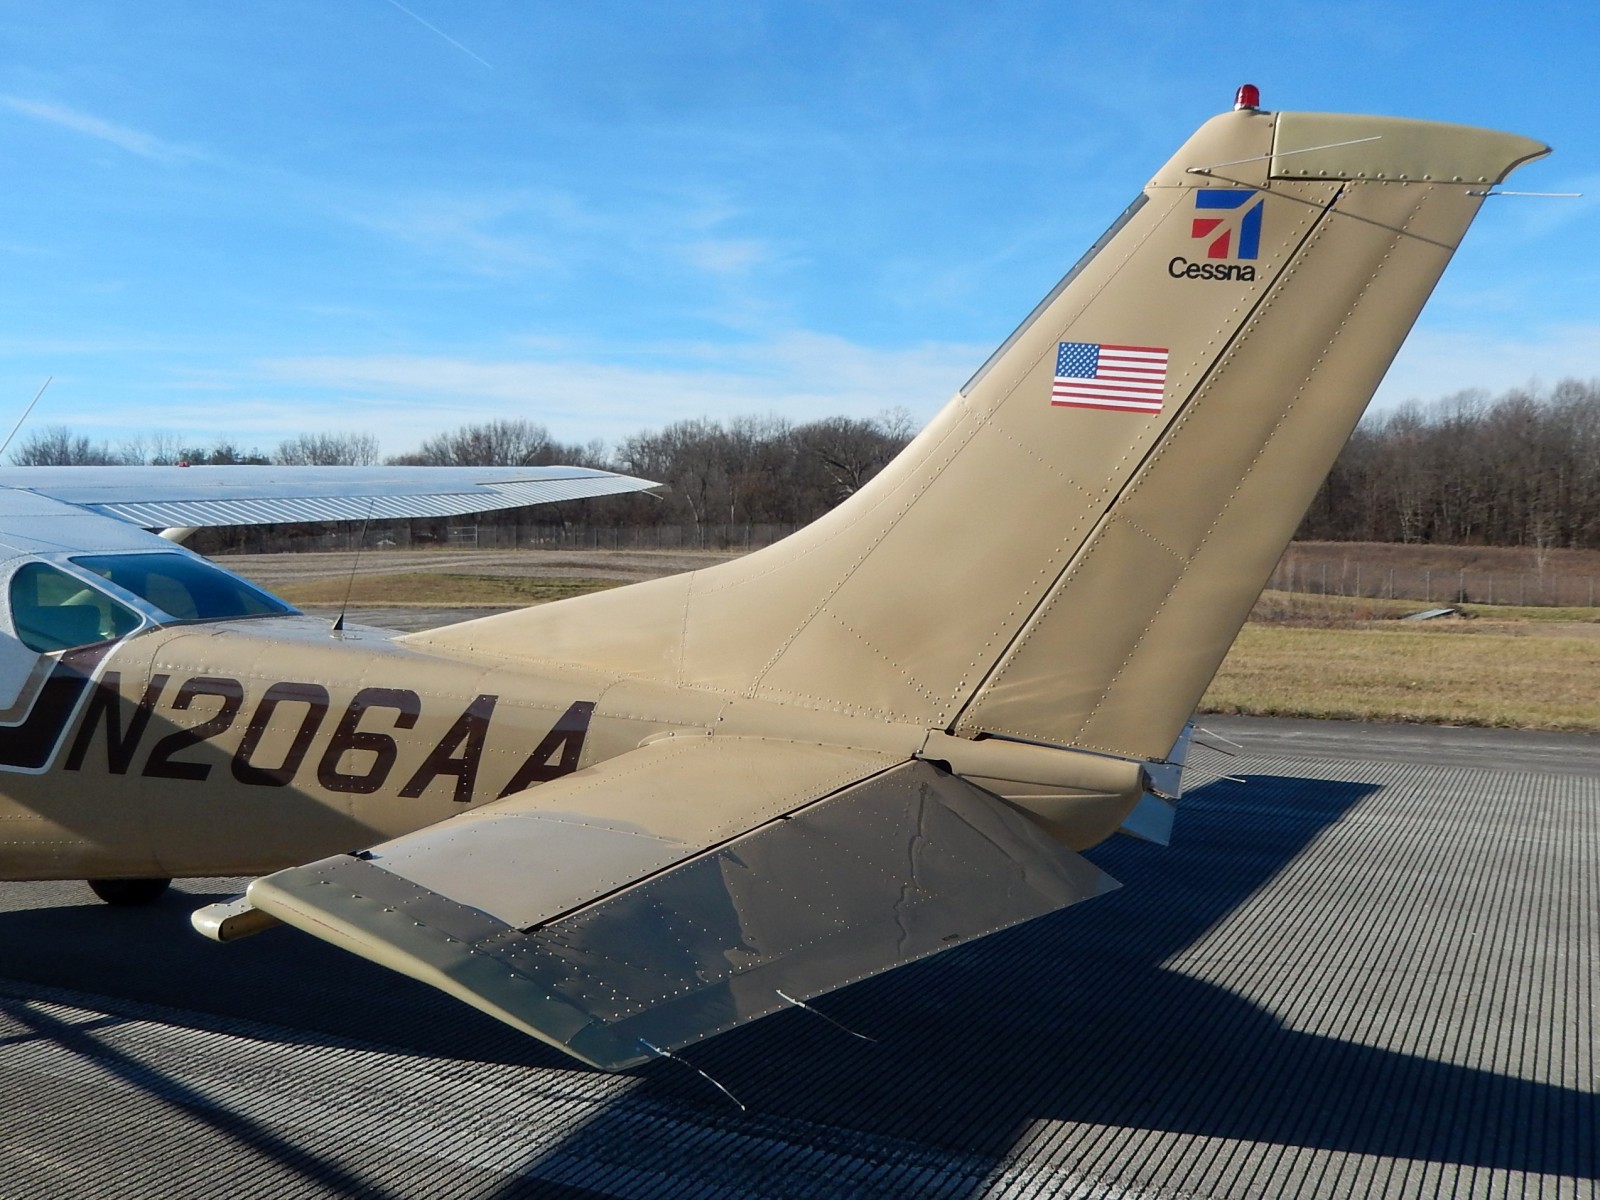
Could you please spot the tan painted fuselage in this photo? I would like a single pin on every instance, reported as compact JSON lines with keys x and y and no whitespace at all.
{"x":247,"y":746}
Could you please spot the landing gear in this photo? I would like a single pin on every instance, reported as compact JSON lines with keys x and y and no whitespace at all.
{"x":125,"y":893}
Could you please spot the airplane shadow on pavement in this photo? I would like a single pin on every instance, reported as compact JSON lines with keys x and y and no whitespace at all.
{"x":1074,"y":1018}
{"x":1071,"y":1018}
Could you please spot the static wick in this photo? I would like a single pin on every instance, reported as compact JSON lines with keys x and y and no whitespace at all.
{"x":1219,"y":737}
{"x":1539,"y":195}
{"x":818,"y":1012}
{"x":24,"y":415}
{"x":660,"y":1053}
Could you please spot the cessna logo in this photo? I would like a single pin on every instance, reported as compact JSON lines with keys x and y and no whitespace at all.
{"x":1227,"y":224}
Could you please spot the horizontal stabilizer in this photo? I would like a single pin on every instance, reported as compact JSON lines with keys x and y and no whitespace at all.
{"x":846,"y":883}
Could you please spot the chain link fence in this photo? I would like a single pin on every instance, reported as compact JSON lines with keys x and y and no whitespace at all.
{"x":1433,"y":585}
{"x":468,"y":535}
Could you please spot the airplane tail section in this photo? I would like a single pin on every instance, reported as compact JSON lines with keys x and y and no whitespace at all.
{"x":1035,"y":592}
{"x":1065,"y":554}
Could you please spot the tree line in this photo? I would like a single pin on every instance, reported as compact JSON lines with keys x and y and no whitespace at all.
{"x":1519,"y":469}
{"x":744,"y":471}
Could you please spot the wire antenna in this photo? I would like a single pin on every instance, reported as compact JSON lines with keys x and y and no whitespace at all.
{"x":440,"y":32}
{"x":24,"y":415}
{"x":350,"y":583}
{"x":1377,"y":137}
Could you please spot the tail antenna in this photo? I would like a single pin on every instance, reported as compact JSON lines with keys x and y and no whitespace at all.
{"x":350,"y":583}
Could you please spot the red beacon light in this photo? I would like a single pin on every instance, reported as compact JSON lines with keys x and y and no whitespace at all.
{"x":1248,"y":96}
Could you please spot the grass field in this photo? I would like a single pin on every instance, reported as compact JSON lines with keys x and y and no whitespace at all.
{"x":1349,"y":659}
{"x":1510,"y":678}
{"x":1325,"y":657}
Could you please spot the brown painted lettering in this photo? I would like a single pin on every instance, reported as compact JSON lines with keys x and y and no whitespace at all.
{"x":315,"y":698}
{"x":160,"y":765}
{"x":466,"y":735}
{"x":106,"y":706}
{"x":347,"y":739}
{"x":567,"y":737}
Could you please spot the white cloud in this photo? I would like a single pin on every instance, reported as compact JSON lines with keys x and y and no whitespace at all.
{"x":508,"y":231}
{"x":1431,"y":365}
{"x":487,"y":234}
{"x":132,"y":140}
{"x":725,"y":256}
{"x":405,"y":398}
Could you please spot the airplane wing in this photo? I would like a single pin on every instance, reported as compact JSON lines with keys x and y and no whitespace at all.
{"x":187,"y":497}
{"x":685,"y":888}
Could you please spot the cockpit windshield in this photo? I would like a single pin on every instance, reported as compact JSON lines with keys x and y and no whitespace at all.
{"x":56,"y":609}
{"x":186,"y":588}
{"x":52,"y":610}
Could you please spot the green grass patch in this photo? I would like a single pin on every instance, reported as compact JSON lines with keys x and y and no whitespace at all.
{"x":1513,"y":612}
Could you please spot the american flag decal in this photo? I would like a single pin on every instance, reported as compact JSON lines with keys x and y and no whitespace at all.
{"x":1116,"y":378}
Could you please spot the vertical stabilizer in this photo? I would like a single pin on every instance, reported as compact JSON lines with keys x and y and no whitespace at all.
{"x":1065,"y":554}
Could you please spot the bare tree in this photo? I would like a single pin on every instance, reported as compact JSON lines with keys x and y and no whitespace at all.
{"x":498,"y":443}
{"x":1521,"y":469}
{"x":58,"y":446}
{"x":850,"y":451}
{"x":327,"y":450}
{"x":157,"y":449}
{"x":221,"y":453}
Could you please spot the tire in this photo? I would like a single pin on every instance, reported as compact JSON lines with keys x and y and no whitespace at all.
{"x":125,"y":893}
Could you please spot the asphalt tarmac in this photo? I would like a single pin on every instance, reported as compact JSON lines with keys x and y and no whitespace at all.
{"x":1365,"y":967}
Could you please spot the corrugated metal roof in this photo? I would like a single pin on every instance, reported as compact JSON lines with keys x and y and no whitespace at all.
{"x":164,"y":497}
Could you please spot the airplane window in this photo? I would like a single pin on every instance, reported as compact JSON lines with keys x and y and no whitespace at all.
{"x":185,"y":587}
{"x":52,"y":610}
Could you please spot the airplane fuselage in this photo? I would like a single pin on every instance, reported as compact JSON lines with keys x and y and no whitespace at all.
{"x":243,"y":746}
{"x":240,"y":747}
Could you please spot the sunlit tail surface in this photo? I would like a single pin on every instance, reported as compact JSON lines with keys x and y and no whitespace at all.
{"x":1067,"y":551}
{"x":1027,"y":604}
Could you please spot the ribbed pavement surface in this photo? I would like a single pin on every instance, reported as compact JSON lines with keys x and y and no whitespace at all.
{"x":1366,"y":970}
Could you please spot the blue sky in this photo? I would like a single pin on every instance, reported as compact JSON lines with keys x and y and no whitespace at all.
{"x":249,"y":220}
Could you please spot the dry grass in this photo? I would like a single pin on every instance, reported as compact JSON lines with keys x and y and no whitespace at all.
{"x":1578,"y":564}
{"x":1525,"y":675}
